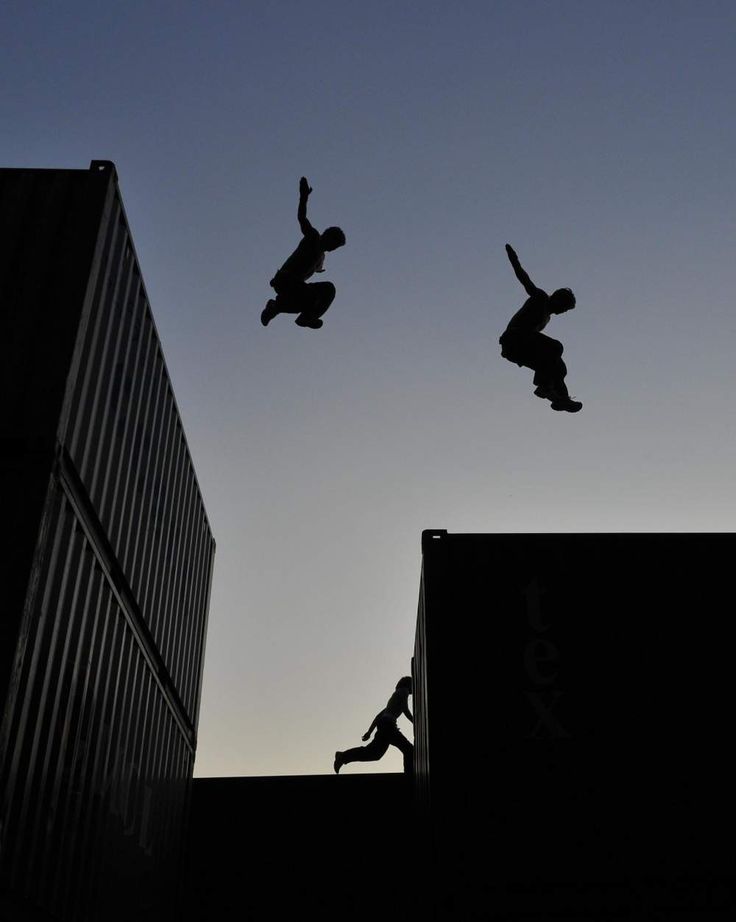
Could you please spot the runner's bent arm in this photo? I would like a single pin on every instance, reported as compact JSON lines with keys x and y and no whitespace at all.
{"x":370,"y":729}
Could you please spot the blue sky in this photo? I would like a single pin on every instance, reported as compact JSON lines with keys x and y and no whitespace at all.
{"x":596,"y":137}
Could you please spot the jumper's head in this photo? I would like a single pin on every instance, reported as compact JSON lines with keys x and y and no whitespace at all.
{"x":404,"y":682}
{"x":561,"y":300}
{"x":332,"y":238}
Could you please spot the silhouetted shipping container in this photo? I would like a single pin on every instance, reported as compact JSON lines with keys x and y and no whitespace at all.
{"x":107,"y":559}
{"x":302,"y":847}
{"x":573,"y":702}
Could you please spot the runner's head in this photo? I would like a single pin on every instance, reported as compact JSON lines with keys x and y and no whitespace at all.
{"x":404,"y":682}
{"x":562,"y":300}
{"x":332,"y":238}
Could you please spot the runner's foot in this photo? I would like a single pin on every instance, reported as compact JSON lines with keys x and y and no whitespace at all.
{"x":338,"y":763}
{"x":268,"y":312}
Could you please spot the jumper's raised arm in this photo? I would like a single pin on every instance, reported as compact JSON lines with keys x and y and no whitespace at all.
{"x":521,"y":275}
{"x":304,"y":192}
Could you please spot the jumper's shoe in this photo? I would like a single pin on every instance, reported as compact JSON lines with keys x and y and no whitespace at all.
{"x":338,"y":763}
{"x":567,"y":403}
{"x":313,"y":323}
{"x":268,"y":312}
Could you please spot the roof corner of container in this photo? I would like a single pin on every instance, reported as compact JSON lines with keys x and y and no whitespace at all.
{"x":430,"y":536}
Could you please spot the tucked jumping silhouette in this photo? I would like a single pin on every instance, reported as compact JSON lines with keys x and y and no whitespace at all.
{"x":293,"y":294}
{"x":387,"y":733}
{"x":524,"y":343}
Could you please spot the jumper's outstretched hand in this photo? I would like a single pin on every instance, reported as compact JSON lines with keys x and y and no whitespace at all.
{"x":510,"y":251}
{"x":304,"y":187}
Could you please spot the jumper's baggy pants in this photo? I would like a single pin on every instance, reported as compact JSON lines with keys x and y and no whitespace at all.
{"x":387,"y":734}
{"x":540,"y":353}
{"x":308,"y":299}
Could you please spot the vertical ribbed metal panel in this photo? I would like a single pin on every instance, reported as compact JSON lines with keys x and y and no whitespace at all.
{"x":124,"y":436}
{"x":99,"y":764}
{"x":99,"y":721}
{"x":431,"y":599}
{"x":419,"y":677}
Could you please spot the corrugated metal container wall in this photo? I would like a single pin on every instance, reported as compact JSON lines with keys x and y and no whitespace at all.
{"x":99,"y":726}
{"x":421,"y":726}
{"x":94,"y":798}
{"x":124,"y":437}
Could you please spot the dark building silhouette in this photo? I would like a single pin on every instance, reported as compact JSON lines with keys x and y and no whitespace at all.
{"x":573,"y":707}
{"x":572,"y":713}
{"x":106,"y":566}
{"x":303,"y":847}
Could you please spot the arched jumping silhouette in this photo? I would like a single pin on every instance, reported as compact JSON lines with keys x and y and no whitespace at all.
{"x":524,"y":343}
{"x":293,"y":294}
{"x":387,"y":733}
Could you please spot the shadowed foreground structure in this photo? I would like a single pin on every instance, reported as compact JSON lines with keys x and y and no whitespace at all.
{"x":324,"y":847}
{"x":572,"y":705}
{"x":107,"y":559}
{"x":573,"y":709}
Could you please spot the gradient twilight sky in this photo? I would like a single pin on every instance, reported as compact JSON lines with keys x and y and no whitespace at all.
{"x":596,"y":136}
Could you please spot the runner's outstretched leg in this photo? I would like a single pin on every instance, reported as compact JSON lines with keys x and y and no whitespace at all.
{"x":375,"y":750}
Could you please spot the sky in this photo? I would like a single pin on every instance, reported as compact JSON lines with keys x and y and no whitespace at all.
{"x":597,"y":137}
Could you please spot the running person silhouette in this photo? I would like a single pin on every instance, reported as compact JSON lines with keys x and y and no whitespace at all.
{"x":524,"y":343}
{"x":293,"y":294}
{"x":387,"y":733}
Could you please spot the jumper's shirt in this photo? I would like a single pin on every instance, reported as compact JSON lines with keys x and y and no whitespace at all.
{"x":533,"y":316}
{"x":397,"y":704}
{"x":307,"y":258}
